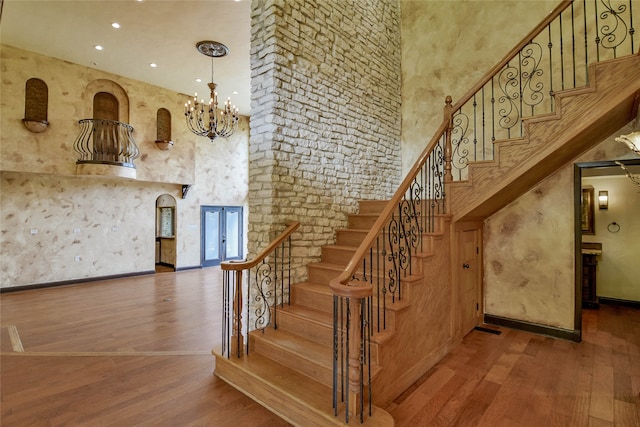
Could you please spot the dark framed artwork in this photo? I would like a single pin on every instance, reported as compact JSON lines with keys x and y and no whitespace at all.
{"x":587,"y":211}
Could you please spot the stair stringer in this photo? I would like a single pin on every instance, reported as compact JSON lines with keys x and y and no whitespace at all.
{"x":423,"y":333}
{"x":583,"y":118}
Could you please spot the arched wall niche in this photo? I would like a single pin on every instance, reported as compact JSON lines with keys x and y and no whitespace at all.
{"x":104,"y":85}
{"x":36,"y":102}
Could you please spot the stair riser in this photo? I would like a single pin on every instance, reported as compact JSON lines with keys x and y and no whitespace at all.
{"x":311,"y":330}
{"x":362,"y":222}
{"x":337,"y":255}
{"x":371,"y":206}
{"x":274,"y":398}
{"x":350,"y":237}
{"x":321,"y":275}
{"x":322,"y":374}
{"x":315,"y":300}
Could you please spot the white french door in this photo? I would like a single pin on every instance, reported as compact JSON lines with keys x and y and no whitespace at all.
{"x":221,"y":234}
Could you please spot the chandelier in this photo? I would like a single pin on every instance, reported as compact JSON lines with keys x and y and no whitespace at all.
{"x":206,"y":119}
{"x":632,"y":141}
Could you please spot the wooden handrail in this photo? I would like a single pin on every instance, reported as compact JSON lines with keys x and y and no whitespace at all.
{"x":339,"y":285}
{"x":244,"y":265}
{"x":513,"y":52}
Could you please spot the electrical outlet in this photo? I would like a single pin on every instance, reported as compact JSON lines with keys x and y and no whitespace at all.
{"x":76,"y":230}
{"x":77,"y":258}
{"x":34,"y":231}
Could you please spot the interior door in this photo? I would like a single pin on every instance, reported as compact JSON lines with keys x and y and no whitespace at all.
{"x":469,"y":278}
{"x":221,"y":234}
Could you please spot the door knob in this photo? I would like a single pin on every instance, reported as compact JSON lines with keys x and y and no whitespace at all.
{"x":465,"y":265}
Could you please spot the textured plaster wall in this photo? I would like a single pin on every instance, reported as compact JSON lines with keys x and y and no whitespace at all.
{"x":529,"y":256}
{"x":325,"y":124}
{"x":109,"y":223}
{"x":447,"y":46}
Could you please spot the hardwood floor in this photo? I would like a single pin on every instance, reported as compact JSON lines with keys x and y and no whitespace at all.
{"x":136,"y":351}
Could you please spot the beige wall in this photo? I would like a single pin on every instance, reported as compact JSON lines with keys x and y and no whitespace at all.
{"x":108,"y":223}
{"x":529,"y":255}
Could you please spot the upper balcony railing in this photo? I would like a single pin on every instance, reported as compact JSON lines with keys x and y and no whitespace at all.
{"x":555,"y":56}
{"x":106,"y":142}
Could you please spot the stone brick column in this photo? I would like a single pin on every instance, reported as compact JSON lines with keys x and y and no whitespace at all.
{"x":325,"y":116}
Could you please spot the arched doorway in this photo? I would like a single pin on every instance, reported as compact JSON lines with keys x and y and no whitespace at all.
{"x":165,"y":233}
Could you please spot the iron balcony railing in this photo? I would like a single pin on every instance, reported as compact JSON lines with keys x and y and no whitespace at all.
{"x":269,"y":275}
{"x":554,"y":56}
{"x":106,"y":142}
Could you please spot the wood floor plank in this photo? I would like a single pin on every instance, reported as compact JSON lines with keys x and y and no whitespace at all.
{"x":136,"y":351}
{"x":601,"y":405}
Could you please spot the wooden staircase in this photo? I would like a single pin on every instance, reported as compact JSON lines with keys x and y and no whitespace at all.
{"x":583,"y":117}
{"x":289,"y":369}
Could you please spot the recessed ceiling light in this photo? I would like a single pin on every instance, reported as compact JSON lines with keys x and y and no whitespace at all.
{"x":115,"y":25}
{"x":98,"y":47}
{"x":235,"y":92}
{"x":153,"y":65}
{"x":199,"y":80}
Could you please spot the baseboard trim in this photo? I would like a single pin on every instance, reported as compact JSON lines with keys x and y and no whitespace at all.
{"x":193,"y":267}
{"x":73,"y":282}
{"x":616,"y":301}
{"x":535,"y":328}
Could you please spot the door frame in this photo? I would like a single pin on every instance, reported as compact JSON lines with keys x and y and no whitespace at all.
{"x":222,"y":235}
{"x":456,"y":255}
{"x":577,"y":193}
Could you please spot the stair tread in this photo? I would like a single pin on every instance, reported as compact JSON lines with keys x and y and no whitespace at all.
{"x":310,"y":314}
{"x":328,"y":265}
{"x":289,"y":385}
{"x":343,"y":247}
{"x":287,"y":380}
{"x":315,"y":352}
{"x":314,"y":286}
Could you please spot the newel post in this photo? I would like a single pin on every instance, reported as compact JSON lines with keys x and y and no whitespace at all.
{"x":355,"y":358}
{"x":236,"y":332}
{"x":448,"y":149}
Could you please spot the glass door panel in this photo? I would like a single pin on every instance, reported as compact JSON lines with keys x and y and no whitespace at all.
{"x":221,"y":234}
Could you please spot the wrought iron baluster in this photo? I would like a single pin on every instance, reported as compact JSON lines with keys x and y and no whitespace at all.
{"x":595,"y":2}
{"x":475,"y":128}
{"x":586,"y":41}
{"x":493,"y":110}
{"x":346,"y":376}
{"x":384,"y":278}
{"x":632,"y":31}
{"x":561,"y":54}
{"x":573,"y":44}
{"x":335,"y":355}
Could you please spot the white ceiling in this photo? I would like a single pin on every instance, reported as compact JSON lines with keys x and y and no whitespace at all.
{"x":164,"y":32}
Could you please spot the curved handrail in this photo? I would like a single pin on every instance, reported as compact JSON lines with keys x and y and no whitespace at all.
{"x":243,"y":265}
{"x":512,"y":53}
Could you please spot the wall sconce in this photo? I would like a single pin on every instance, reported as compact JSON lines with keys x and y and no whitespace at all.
{"x":603,"y":199}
